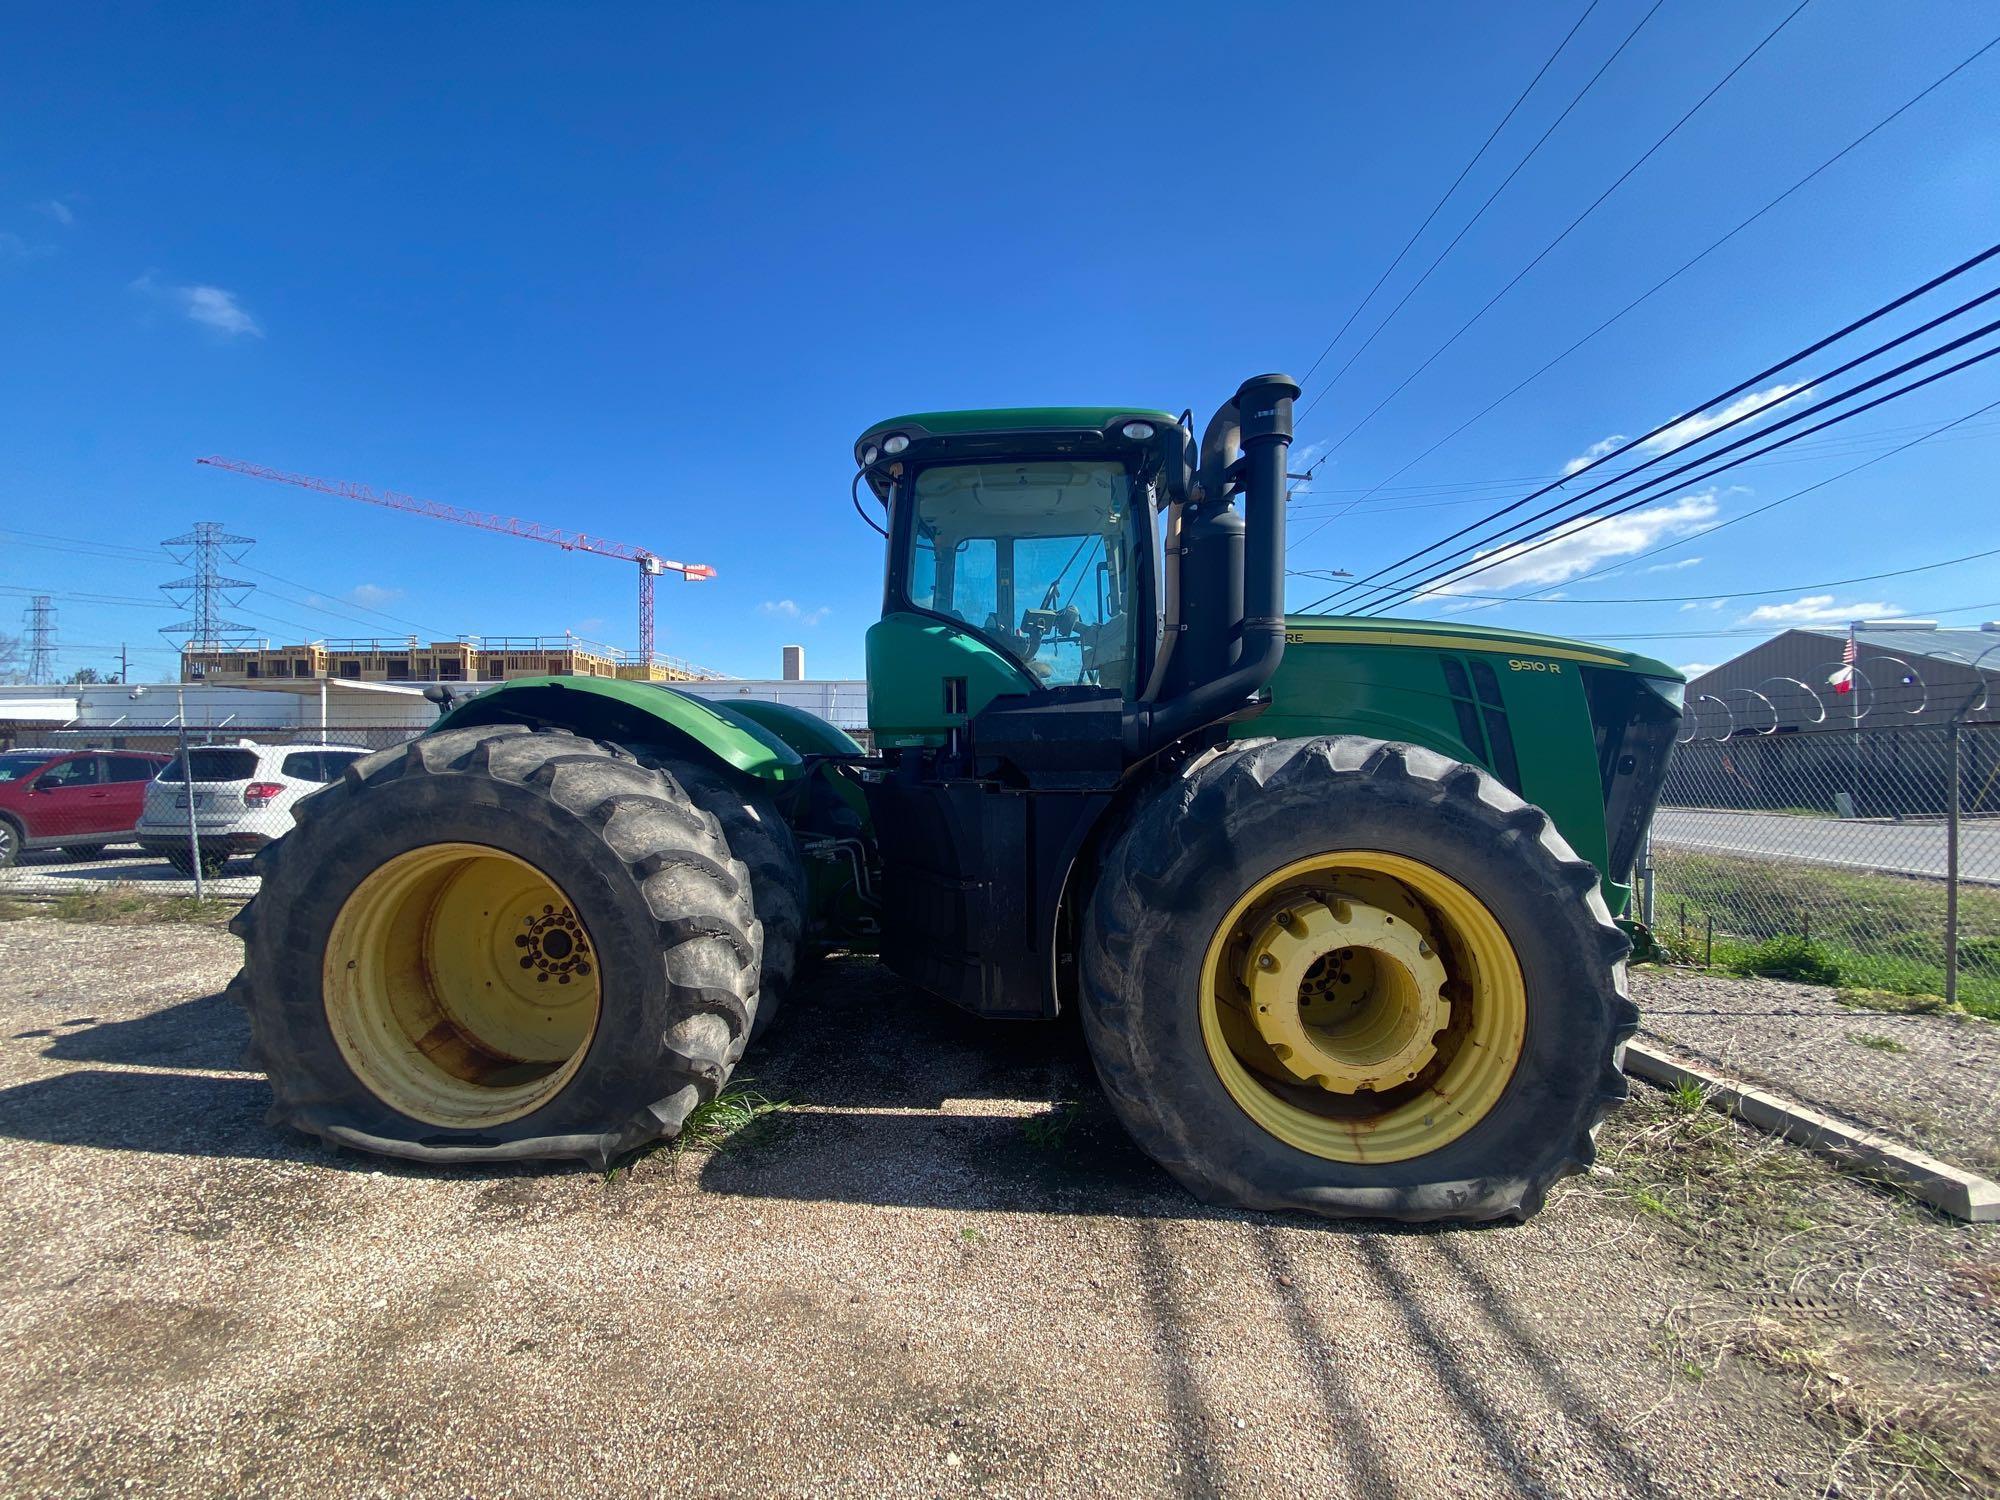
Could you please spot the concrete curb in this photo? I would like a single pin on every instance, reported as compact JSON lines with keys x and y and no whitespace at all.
{"x":1951,"y":1190}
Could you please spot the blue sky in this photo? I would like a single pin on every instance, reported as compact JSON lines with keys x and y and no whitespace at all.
{"x":647,"y":272}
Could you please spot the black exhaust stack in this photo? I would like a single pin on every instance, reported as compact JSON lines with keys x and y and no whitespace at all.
{"x":1232,"y":594}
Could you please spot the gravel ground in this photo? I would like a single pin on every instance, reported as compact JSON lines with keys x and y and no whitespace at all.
{"x":916,"y":1280}
{"x":1933,"y":1080}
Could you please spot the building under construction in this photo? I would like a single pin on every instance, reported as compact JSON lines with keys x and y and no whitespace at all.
{"x":472,"y":659}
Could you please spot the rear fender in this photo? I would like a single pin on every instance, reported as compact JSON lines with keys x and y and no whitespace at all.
{"x":636,"y":714}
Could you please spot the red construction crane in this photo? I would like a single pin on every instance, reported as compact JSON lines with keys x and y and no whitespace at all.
{"x":651,"y":564}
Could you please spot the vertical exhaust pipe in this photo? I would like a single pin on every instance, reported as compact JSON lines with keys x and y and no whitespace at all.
{"x":1233,"y":578}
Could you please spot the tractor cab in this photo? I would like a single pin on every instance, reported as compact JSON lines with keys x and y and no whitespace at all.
{"x":1032,"y":621}
{"x":1023,"y":558}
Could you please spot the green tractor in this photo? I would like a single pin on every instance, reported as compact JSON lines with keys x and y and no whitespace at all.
{"x":1335,"y":898}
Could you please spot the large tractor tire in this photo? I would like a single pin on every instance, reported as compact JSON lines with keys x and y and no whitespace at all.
{"x":1355,"y":979}
{"x":759,"y":837}
{"x":498,"y":944}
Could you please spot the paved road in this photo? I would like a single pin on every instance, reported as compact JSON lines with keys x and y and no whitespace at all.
{"x":1853,"y":843}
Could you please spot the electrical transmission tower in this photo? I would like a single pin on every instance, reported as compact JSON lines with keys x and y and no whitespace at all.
{"x":204,"y":594}
{"x":39,"y":620}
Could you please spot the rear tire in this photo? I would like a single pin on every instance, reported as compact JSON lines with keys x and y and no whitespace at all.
{"x":1355,"y":836}
{"x":391,"y":948}
{"x":759,"y":837}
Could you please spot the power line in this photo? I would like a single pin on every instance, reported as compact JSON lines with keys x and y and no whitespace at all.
{"x":1830,"y":627}
{"x":1492,"y":489}
{"x":1694,"y":260}
{"x":85,"y":547}
{"x":1647,"y":437}
{"x":1417,"y":233}
{"x":1793,"y":588}
{"x":1595,"y":204}
{"x":1472,"y":548}
{"x":1769,"y":505}
{"x":1516,"y":549}
{"x":1481,"y":213}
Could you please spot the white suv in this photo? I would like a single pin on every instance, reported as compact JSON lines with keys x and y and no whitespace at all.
{"x":243,"y":798}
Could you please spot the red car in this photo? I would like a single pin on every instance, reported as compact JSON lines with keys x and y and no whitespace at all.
{"x":78,"y":800}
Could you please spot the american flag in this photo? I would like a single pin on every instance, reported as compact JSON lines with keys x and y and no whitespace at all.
{"x":1842,"y":680}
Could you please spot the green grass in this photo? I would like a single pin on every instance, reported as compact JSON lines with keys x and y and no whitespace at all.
{"x":1050,"y":1132}
{"x":123,"y":906}
{"x":1875,"y":1041}
{"x":726,"y":1117}
{"x":1848,"y":928}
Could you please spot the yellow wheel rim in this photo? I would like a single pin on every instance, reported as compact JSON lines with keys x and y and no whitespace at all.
{"x":461,"y":985}
{"x":1363,"y":1006}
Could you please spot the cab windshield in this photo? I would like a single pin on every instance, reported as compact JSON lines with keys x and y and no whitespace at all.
{"x":1036,"y":557}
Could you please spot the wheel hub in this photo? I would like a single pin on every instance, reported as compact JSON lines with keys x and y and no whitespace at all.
{"x":1347,"y":995}
{"x":461,"y":985}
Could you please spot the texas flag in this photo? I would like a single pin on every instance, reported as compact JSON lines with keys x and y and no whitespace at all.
{"x":1842,"y":680}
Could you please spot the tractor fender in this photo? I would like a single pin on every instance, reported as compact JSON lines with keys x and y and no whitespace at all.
{"x":1058,"y":924}
{"x":649,"y":714}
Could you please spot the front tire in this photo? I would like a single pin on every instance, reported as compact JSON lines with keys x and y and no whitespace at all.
{"x":1356,"y":979}
{"x":498,"y":944}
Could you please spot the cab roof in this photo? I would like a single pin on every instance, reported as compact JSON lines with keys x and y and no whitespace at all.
{"x":1017,"y":419}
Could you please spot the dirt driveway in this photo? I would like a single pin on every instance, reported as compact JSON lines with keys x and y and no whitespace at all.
{"x":942,"y":1270}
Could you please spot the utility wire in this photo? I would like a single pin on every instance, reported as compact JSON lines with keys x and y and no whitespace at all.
{"x":1595,"y":204}
{"x":1824,"y":627}
{"x":1773,"y":504}
{"x":1777,"y":400}
{"x":1738,"y":389}
{"x":1417,"y":233}
{"x":1481,"y":213}
{"x":1689,"y":264}
{"x":1794,"y":588}
{"x":1516,"y":550}
{"x":1490,"y":490}
{"x":87,"y":547}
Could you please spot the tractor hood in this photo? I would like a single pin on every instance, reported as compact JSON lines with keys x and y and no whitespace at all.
{"x":1441,"y":635}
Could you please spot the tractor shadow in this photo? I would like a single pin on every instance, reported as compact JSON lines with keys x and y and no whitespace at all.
{"x":894,"y":1098}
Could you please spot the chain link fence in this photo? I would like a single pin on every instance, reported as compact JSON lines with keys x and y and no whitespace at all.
{"x":99,"y":811}
{"x":1867,"y":858}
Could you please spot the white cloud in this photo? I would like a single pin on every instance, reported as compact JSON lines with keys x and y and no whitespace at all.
{"x":1695,"y":668}
{"x":1702,"y":423}
{"x":1298,"y":460}
{"x":56,"y":209}
{"x":1595,"y":451}
{"x":217,"y":309}
{"x":1578,"y":546}
{"x":372,"y":595}
{"x":1703,"y":604}
{"x":1672,"y":567}
{"x":789,"y":609}
{"x":13,"y":247}
{"x":1689,"y":428}
{"x":210,"y":306}
{"x":1819,"y":609}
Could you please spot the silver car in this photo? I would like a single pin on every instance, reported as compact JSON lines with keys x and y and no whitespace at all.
{"x":242,"y":796}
